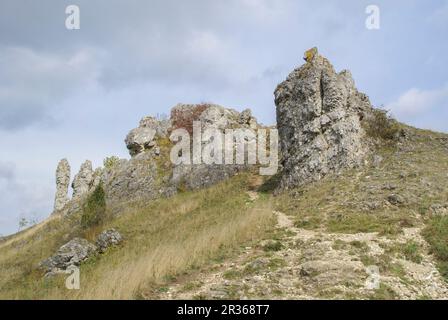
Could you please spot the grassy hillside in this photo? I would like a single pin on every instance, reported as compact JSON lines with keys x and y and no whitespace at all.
{"x":164,"y":239}
{"x":235,"y":240}
{"x":392,"y":214}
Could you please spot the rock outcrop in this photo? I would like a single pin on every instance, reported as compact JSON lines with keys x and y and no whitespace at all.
{"x":149,"y":174}
{"x":143,"y":138}
{"x":70,"y":254}
{"x":108,"y":239}
{"x":62,"y":184}
{"x":77,"y":250}
{"x":139,"y":178}
{"x":83,"y":180}
{"x":214,"y":117}
{"x":319,"y":115}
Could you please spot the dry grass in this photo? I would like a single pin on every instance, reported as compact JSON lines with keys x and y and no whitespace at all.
{"x":163,"y":239}
{"x":357,"y":200}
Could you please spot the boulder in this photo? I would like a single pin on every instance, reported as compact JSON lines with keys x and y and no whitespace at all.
{"x":319,"y":115}
{"x":70,"y":254}
{"x":107,"y":239}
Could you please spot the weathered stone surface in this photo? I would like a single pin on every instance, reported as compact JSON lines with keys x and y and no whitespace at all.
{"x":143,"y":138}
{"x":214,"y":117}
{"x":136,"y":179}
{"x":83,"y":181}
{"x":62,"y":184}
{"x":319,"y":116}
{"x":203,"y":175}
{"x":72,"y":253}
{"x":246,"y":119}
{"x":107,"y":239}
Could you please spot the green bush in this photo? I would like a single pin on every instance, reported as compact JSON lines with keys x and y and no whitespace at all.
{"x":110,"y":162}
{"x":380,"y":125}
{"x":94,"y":208}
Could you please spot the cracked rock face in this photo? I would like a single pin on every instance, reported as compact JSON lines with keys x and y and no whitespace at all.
{"x":62,"y":184}
{"x":319,"y":115}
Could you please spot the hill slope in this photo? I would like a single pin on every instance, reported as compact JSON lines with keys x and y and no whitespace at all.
{"x":311,"y":242}
{"x":328,"y":234}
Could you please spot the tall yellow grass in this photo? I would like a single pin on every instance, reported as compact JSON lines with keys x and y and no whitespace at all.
{"x":164,"y":238}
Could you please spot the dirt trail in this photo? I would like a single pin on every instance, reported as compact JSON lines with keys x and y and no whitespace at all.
{"x":305,"y":264}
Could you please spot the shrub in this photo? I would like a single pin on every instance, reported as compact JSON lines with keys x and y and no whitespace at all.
{"x":380,"y":125}
{"x":184,"y":119}
{"x":94,"y":208}
{"x":110,"y":162}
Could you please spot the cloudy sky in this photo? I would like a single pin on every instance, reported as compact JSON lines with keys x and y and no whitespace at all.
{"x":76,"y":93}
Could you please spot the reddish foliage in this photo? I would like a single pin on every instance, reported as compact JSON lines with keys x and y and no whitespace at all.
{"x":184,"y":118}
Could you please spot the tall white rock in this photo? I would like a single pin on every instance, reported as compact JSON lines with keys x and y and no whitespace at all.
{"x":83,"y":180}
{"x":62,"y":184}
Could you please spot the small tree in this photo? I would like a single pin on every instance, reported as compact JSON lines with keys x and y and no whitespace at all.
{"x":381,"y":125}
{"x":110,"y":162}
{"x":94,"y":208}
{"x":23,"y":223}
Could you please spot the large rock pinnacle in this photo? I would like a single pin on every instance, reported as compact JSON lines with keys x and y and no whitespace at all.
{"x":83,"y":180}
{"x":319,"y":115}
{"x":62,"y":184}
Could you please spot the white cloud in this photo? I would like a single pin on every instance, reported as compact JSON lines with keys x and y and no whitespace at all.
{"x":415,"y":102}
{"x":35,"y":81}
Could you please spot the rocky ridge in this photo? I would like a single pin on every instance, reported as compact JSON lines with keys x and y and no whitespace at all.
{"x":149,"y":173}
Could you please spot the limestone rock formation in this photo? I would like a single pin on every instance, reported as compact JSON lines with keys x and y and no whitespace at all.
{"x":70,"y":254}
{"x":137,"y":179}
{"x":215,"y":117}
{"x":319,"y":115}
{"x":83,"y":180}
{"x":107,"y":239}
{"x":246,"y":119}
{"x":62,"y":184}
{"x":149,"y":174}
{"x":143,"y":137}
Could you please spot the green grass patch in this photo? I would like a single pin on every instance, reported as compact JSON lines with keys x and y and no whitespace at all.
{"x":436,"y":234}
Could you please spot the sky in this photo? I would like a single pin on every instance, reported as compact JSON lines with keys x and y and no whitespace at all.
{"x":76,"y":93}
